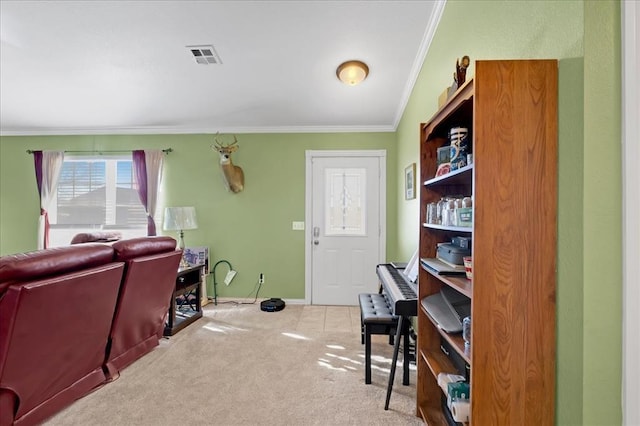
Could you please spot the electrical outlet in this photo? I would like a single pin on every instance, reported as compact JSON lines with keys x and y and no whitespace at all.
{"x":261,"y":278}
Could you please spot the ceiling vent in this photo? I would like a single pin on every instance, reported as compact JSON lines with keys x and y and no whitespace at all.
{"x":205,"y":54}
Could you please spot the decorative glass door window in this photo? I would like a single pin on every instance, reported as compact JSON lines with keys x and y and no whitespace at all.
{"x":345,"y":201}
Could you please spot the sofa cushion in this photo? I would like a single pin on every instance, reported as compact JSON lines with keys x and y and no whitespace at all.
{"x":96,"y":237}
{"x":144,"y":246}
{"x":53,"y":261}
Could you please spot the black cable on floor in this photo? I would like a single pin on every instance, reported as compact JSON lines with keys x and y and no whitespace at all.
{"x":256,"y":289}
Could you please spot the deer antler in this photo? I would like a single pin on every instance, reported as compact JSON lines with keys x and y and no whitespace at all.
{"x":222,"y":145}
{"x":215,"y":138}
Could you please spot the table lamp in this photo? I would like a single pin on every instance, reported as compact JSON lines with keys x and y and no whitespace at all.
{"x":180,"y":219}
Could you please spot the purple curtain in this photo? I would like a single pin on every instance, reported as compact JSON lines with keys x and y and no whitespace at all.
{"x":140,"y":173}
{"x":37,"y":161}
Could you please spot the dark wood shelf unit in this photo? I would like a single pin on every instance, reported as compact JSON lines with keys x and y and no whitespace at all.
{"x":433,"y":416}
{"x":461,"y":176}
{"x":448,"y":228}
{"x":438,"y":363}
{"x":455,"y":340}
{"x":458,"y":282}
{"x":188,"y":290}
{"x":510,"y":109}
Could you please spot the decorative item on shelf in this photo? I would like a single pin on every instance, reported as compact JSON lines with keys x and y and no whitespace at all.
{"x":443,"y":169}
{"x":464,"y":217}
{"x":432,"y":213}
{"x":461,"y":70}
{"x":232,"y":175}
{"x":452,"y":255}
{"x":468,"y":266}
{"x":460,"y":76}
{"x":457,"y":391}
{"x":443,"y":160}
{"x":444,"y":155}
{"x":466,"y":332}
{"x":227,"y":279}
{"x":460,"y":408}
{"x":444,"y":96}
{"x":180,"y":219}
{"x":410,"y":182}
{"x":462,"y":242}
{"x":440,"y":210}
{"x":445,"y":378}
{"x":459,"y":141}
{"x":448,"y":212}
{"x":197,"y":256}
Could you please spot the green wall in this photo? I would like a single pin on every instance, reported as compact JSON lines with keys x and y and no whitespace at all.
{"x":602,"y":212}
{"x":251,"y":229}
{"x":584,"y":37}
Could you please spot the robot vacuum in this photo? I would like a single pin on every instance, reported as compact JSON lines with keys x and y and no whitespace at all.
{"x":272,"y":305}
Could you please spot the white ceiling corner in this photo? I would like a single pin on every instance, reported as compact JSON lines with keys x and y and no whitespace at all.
{"x":105,"y":67}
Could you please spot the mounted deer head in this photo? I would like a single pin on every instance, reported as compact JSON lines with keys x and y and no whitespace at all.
{"x":233,"y":176}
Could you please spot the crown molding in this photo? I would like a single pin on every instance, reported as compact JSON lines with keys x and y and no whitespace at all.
{"x":434,"y":21}
{"x":197,"y":130}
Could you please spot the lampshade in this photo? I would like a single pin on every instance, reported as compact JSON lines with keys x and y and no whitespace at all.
{"x":180,"y":218}
{"x":352,"y":72}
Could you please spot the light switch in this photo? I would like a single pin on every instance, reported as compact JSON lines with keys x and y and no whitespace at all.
{"x":297,"y":226}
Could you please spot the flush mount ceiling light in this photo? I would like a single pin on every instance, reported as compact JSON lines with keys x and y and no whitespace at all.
{"x":352,"y":72}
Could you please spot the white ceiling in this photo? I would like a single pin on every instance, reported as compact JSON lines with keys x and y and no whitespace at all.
{"x":113,"y":67}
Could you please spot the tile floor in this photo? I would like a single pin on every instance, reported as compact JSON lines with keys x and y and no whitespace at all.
{"x":344,"y":319}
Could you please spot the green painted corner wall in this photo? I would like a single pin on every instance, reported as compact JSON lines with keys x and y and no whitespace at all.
{"x":251,"y":229}
{"x":602,"y":212}
{"x":584,"y":37}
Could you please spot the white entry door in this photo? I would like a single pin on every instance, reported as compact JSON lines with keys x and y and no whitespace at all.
{"x":345,"y":231}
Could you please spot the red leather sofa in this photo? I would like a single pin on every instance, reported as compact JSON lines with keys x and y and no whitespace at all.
{"x":146,"y":290}
{"x":72,"y":317}
{"x":56,"y":310}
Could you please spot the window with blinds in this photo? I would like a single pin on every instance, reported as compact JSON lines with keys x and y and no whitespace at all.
{"x":96,"y":194}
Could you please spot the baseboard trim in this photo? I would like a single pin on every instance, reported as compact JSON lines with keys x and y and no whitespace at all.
{"x":248,"y":300}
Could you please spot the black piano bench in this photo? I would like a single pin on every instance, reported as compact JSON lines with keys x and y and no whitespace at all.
{"x":376,"y":317}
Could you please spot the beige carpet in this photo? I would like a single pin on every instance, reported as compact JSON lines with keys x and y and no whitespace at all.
{"x":240,"y":366}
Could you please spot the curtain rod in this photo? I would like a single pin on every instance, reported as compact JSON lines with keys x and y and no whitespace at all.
{"x":166,"y":151}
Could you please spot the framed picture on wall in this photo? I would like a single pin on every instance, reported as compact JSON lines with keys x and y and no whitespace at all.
{"x":410,"y":182}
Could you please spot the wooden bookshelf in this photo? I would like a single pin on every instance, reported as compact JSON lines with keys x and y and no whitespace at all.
{"x":510,"y":108}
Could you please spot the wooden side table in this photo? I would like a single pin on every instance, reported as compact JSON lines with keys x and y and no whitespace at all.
{"x":185,"y":306}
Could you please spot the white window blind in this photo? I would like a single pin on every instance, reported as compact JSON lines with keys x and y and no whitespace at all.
{"x":96,"y":194}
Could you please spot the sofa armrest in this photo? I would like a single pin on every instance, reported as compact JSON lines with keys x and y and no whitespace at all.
{"x":53,"y":261}
{"x":144,"y":246}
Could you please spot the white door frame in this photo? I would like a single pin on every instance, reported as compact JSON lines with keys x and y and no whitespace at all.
{"x":381,"y":154}
{"x":630,"y":206}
